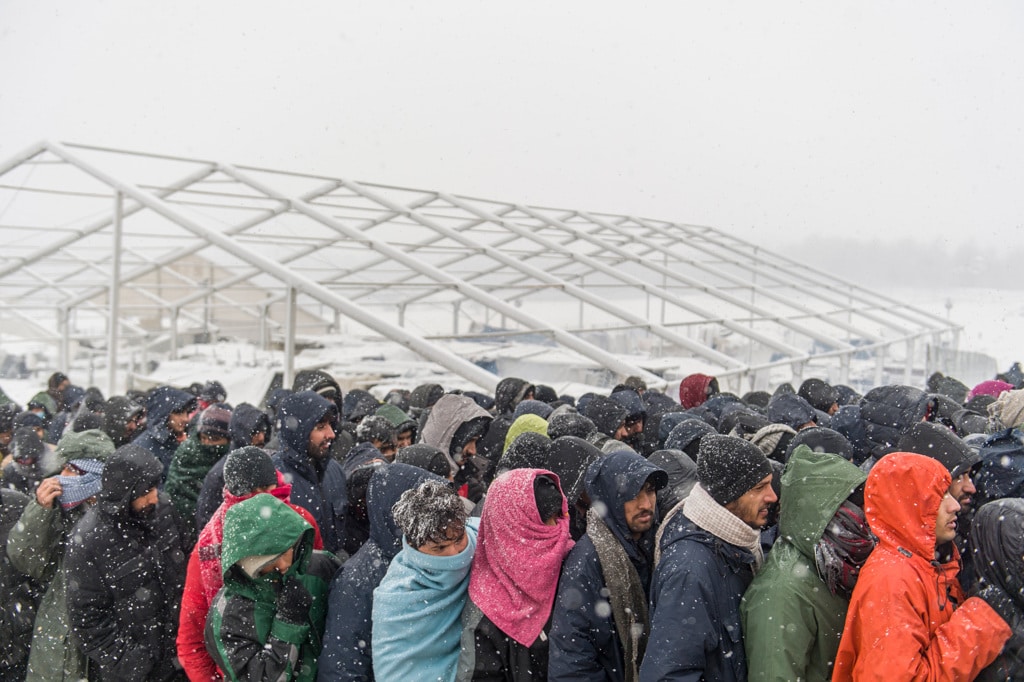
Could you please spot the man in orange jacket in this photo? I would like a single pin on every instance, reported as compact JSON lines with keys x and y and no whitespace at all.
{"x":908,"y":619}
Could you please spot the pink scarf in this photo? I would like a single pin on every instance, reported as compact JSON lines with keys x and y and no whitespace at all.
{"x":518,"y":558}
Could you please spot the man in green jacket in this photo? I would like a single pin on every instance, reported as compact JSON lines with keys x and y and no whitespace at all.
{"x":36,"y":548}
{"x":794,"y":610}
{"x":267,"y":622}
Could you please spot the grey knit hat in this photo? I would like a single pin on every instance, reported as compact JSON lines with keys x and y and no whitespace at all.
{"x":727,"y":466}
{"x":247,"y":469}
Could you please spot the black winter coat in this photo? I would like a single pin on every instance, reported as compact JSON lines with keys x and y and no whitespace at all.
{"x":489,"y":655}
{"x":346,"y":654}
{"x":317,"y":486}
{"x":19,"y":596}
{"x":125,"y":576}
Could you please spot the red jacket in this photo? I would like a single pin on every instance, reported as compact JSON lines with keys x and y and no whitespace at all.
{"x":907,"y":618}
{"x":204,"y":579}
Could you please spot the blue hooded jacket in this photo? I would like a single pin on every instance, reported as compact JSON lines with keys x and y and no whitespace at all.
{"x":347,"y":654}
{"x":584,"y":642}
{"x":157,"y":438}
{"x":318,"y":486}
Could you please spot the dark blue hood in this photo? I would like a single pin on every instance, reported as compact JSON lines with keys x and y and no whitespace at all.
{"x":162,"y":402}
{"x":297,"y":416}
{"x":616,"y":479}
{"x":385,"y":488}
{"x":246,"y":420}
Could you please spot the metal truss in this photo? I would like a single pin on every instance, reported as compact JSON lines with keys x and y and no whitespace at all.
{"x":151,"y":244}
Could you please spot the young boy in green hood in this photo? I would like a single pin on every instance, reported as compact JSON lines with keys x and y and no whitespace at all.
{"x":267,"y":622}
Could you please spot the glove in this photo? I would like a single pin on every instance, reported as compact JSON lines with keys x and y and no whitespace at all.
{"x":1004,"y":605}
{"x":293,"y":603}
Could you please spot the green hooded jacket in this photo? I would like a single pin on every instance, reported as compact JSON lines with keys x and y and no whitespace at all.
{"x":791,"y":621}
{"x":243,"y":633}
{"x":35,"y":547}
{"x":192,"y":461}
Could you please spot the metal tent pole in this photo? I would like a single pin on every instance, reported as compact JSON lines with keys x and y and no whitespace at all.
{"x":113,"y":322}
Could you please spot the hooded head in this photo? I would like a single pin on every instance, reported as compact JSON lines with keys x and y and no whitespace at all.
{"x":529,"y":450}
{"x":358,"y":404}
{"x":607,"y":414}
{"x":246,"y":422}
{"x":791,"y":410}
{"x":686,"y":435}
{"x":508,"y":393}
{"x":297,"y":416}
{"x":682,"y":476}
{"x":814,"y":484}
{"x":429,"y":458}
{"x":819,"y":394}
{"x":997,"y":545}
{"x":940,"y":443}
{"x":570,"y":424}
{"x":518,"y":556}
{"x":616,"y":479}
{"x":130,"y":473}
{"x":385,"y":488}
{"x":821,"y":439}
{"x":447,"y":419}
{"x":319,"y":382}
{"x":569,"y":459}
{"x":257,"y":531}
{"x":535,"y":407}
{"x":123,"y":419}
{"x":901,"y":501}
{"x":696,"y":388}
{"x":165,"y":401}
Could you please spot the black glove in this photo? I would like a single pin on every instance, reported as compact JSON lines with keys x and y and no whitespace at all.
{"x":1004,"y":605}
{"x":293,"y":603}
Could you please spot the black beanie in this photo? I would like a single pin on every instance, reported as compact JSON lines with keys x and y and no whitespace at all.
{"x":940,"y":443}
{"x":247,"y":469}
{"x":727,"y":467}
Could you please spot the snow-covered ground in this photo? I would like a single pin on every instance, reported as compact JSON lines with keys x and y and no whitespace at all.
{"x":992,"y":320}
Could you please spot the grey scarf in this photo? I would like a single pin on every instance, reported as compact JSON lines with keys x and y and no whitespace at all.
{"x":626,"y":594}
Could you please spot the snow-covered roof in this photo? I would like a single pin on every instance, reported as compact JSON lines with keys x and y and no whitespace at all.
{"x":209,"y":249}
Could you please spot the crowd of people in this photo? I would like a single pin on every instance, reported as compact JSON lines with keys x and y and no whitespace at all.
{"x":811,"y":533}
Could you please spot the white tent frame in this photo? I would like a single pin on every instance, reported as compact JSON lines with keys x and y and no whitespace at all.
{"x":463,"y":252}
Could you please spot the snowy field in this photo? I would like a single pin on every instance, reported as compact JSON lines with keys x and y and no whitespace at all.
{"x":992,"y":320}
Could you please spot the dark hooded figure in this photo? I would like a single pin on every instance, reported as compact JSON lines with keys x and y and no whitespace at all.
{"x":570,"y":424}
{"x":347,"y":653}
{"x":249,"y":425}
{"x":888,"y":411}
{"x":428,"y":458}
{"x":682,"y":476}
{"x":600,"y":623}
{"x":821,"y":439}
{"x":306,"y":430}
{"x":791,"y":410}
{"x":125,"y":569}
{"x":636,"y":415}
{"x":509,"y":392}
{"x":19,"y":595}
{"x":569,"y":459}
{"x":530,"y":450}
{"x":167,"y":415}
{"x":609,"y":416}
{"x":31,"y":461}
{"x":456,"y":425}
{"x":123,"y":419}
{"x":686,"y":435}
{"x":997,"y":545}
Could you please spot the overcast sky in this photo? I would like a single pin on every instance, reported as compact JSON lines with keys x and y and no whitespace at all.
{"x":777,"y":122}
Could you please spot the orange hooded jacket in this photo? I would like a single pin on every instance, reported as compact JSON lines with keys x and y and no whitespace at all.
{"x":907,"y":618}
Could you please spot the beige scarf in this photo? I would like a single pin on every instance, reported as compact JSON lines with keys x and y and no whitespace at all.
{"x":702,"y":509}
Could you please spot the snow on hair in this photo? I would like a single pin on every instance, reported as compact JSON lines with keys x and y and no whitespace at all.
{"x":425,"y":513}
